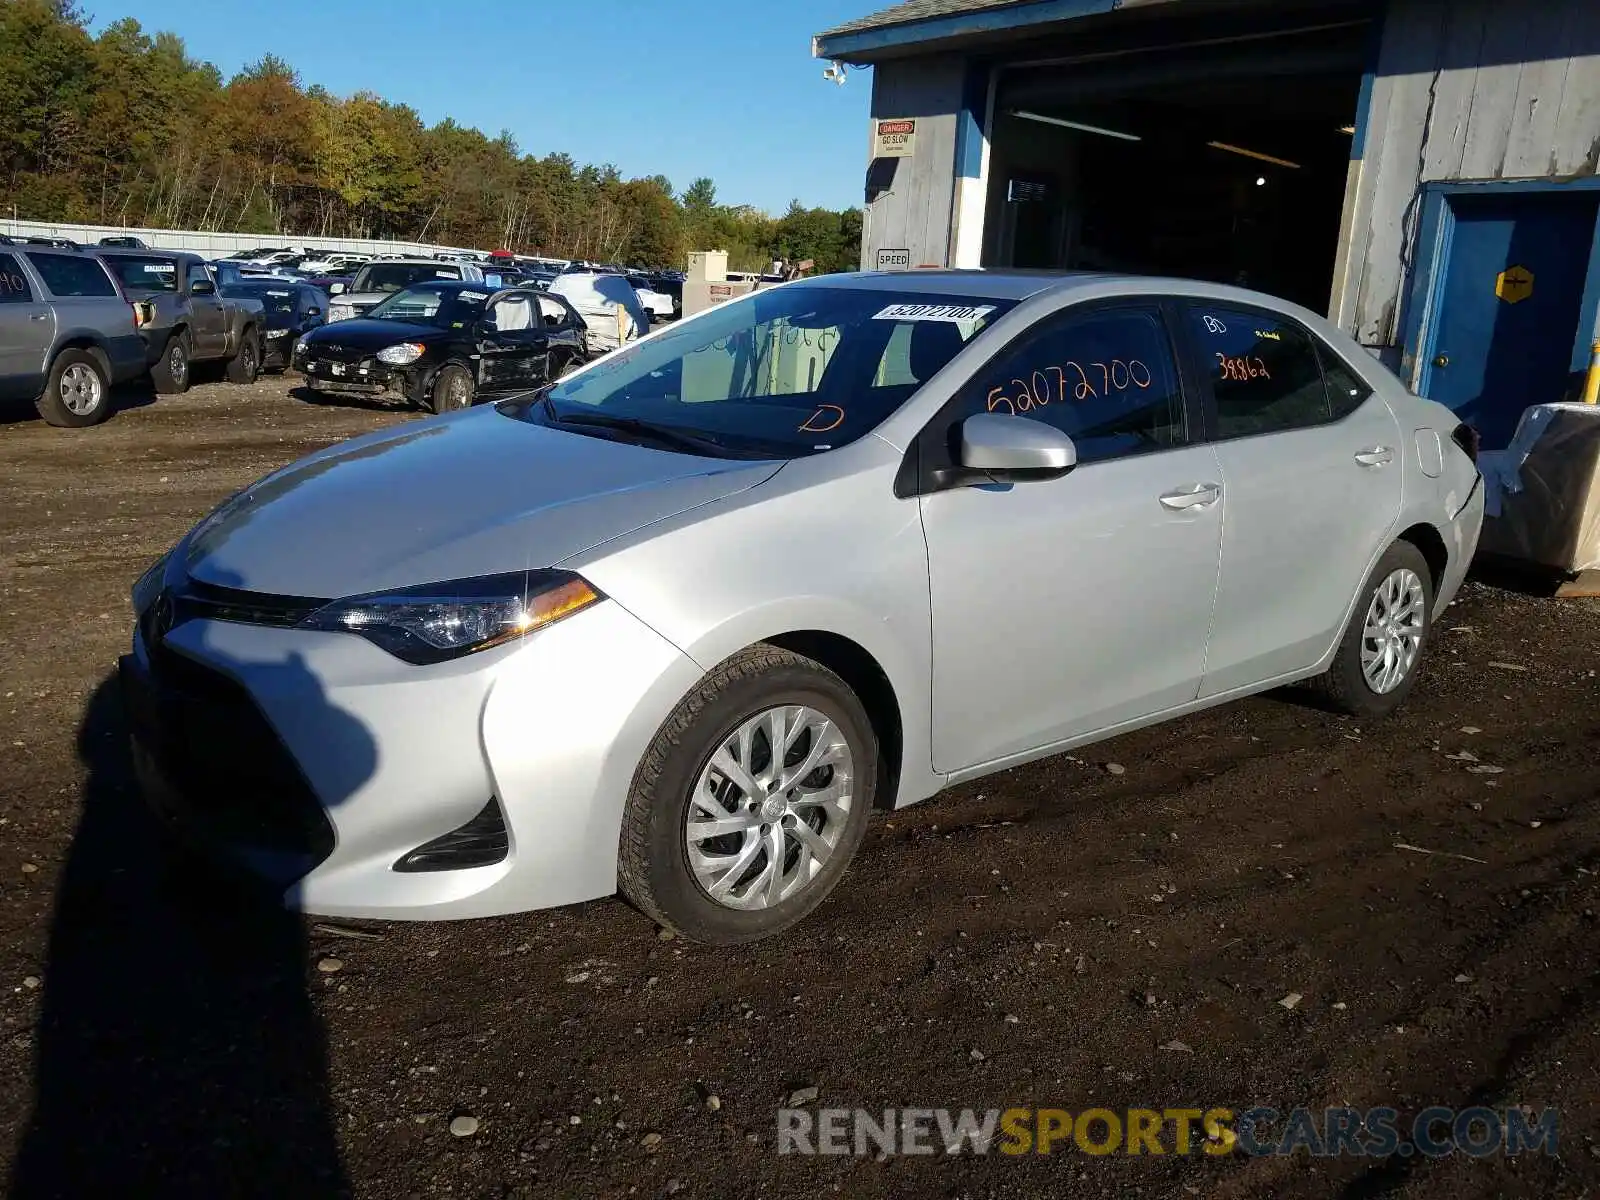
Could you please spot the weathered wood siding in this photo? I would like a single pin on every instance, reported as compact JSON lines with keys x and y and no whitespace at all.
{"x":915,"y":213}
{"x":1464,"y":90}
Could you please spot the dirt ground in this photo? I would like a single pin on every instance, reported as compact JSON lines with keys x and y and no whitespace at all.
{"x":1064,"y":935}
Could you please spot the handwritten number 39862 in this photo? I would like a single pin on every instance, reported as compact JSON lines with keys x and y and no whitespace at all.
{"x":1070,"y":382}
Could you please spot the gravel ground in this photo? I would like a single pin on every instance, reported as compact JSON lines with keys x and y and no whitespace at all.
{"x":1066,"y":935}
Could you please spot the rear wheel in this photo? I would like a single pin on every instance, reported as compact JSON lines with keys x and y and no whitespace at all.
{"x":170,"y":374}
{"x":751,"y":801}
{"x":1381,"y":653}
{"x":452,"y":390}
{"x":78,"y":392}
{"x":246,"y":361}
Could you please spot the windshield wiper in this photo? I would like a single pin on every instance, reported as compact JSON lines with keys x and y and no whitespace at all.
{"x":665,"y":435}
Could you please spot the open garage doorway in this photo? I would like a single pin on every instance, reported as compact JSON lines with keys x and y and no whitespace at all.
{"x":1223,"y":159}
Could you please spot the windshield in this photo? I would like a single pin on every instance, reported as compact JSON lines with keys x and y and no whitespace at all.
{"x":278,"y":302}
{"x":442,"y":307}
{"x":785,"y":373}
{"x":144,"y":274}
{"x":393,"y":277}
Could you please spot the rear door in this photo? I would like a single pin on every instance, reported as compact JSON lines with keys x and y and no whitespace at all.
{"x":1312,"y":474}
{"x":27,"y":331}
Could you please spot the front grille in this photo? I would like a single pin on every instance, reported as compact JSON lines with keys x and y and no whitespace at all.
{"x":198,"y":600}
{"x":235,"y":781}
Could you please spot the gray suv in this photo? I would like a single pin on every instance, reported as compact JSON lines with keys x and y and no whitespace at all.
{"x":184,"y":319}
{"x":67,"y":334}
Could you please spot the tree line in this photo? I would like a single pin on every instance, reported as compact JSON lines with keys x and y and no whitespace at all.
{"x":125,"y":128}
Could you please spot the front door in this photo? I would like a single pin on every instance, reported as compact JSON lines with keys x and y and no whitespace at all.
{"x":514,"y":353}
{"x":27,"y":331}
{"x":208,"y":330}
{"x":1507,"y":327}
{"x":1067,"y":606}
{"x":1312,"y":467}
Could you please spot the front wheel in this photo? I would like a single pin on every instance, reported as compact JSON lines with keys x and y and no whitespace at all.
{"x":452,"y":390}
{"x":751,"y":801}
{"x":1380,"y":654}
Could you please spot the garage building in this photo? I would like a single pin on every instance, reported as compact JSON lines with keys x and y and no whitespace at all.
{"x":1424,"y":171}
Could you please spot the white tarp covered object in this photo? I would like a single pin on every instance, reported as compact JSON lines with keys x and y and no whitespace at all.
{"x":1542,"y":492}
{"x":598,"y":298}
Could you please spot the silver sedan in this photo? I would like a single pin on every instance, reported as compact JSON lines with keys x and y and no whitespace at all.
{"x":676,"y":624}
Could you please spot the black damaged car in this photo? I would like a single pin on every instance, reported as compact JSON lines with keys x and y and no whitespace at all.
{"x":289,"y":310}
{"x":442,"y":343}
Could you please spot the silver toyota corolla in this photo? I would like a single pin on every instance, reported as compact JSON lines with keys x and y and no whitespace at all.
{"x":675,"y":625}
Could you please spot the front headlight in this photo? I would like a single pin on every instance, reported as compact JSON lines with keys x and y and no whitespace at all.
{"x":341,"y":312}
{"x":439,"y":621}
{"x":277,"y":333}
{"x":404,"y":353}
{"x":149,"y":584}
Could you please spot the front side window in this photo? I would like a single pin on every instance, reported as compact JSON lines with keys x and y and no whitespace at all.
{"x":14,"y":287}
{"x":72,"y":274}
{"x":1264,"y":371}
{"x":1106,"y":379}
{"x":781,"y":373}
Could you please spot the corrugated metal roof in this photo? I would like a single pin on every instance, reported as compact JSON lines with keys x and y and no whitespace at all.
{"x":920,"y":10}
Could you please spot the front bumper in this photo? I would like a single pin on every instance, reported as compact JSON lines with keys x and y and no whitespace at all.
{"x":319,"y":762}
{"x":368,"y":377}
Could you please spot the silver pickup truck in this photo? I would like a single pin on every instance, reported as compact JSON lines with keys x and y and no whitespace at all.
{"x":67,"y":334}
{"x":184,"y":319}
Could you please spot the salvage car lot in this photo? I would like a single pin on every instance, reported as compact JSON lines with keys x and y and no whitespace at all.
{"x":1228,"y":861}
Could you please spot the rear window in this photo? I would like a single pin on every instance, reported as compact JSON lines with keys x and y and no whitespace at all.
{"x":140,"y":274}
{"x":72,"y":274}
{"x":396,"y":277}
{"x":14,"y":287}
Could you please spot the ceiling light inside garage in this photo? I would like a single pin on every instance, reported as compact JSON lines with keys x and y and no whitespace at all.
{"x":1078,"y":125}
{"x":1255,"y":154}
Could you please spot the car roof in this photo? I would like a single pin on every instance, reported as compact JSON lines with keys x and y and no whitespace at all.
{"x":144,"y":252}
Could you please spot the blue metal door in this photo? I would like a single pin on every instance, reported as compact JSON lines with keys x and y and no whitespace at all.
{"x":1509,"y":307}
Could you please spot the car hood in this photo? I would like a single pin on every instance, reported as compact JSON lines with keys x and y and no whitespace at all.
{"x":474,"y":493}
{"x":360,"y":299}
{"x":364,"y":335}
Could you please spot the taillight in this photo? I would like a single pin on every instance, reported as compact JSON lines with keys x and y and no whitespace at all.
{"x":1466,"y":437}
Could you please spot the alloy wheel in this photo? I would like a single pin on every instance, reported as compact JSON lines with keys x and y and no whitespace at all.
{"x":81,"y":390}
{"x":769,"y":807}
{"x":1391,"y":638}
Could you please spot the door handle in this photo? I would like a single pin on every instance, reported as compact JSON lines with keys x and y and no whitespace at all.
{"x":1376,"y":457}
{"x":38,"y":316}
{"x":1199,"y":495}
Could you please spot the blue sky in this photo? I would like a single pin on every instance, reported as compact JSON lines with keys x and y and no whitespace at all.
{"x":680,"y":88}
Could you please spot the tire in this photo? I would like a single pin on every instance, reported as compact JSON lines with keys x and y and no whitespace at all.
{"x":656,"y":869}
{"x":77,"y":393}
{"x":452,"y":390}
{"x":172,"y":370}
{"x":245,"y":364}
{"x":1347,"y":684}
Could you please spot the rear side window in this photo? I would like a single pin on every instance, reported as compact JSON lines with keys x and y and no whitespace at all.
{"x":1264,"y":371}
{"x":72,"y":274}
{"x":1107,"y":380}
{"x":14,"y":287}
{"x":1347,"y":391}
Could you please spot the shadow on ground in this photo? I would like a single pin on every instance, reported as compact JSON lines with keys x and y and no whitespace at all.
{"x":178,"y":1053}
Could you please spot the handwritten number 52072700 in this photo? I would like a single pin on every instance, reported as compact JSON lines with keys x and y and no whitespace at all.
{"x":1071,"y":382}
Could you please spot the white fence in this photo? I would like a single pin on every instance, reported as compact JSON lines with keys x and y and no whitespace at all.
{"x":210,"y":244}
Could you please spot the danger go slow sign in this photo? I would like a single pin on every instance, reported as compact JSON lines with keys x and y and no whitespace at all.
{"x":894,"y":138}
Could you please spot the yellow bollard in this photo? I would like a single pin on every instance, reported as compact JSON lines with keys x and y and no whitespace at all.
{"x":1591,"y":386}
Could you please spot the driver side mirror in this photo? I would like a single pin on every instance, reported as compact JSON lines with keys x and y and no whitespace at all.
{"x":488,"y":327}
{"x":202,"y":287}
{"x":1004,"y":447}
{"x":336,"y":289}
{"x":313,"y":311}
